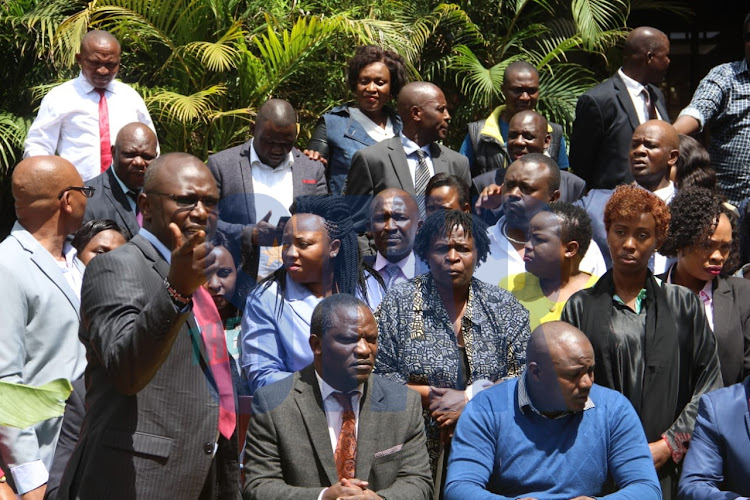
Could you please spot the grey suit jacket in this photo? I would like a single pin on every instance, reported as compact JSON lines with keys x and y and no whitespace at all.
{"x":151,"y":403}
{"x":603,"y":127}
{"x":110,"y":202}
{"x":231,"y":169}
{"x":383,"y":165}
{"x":39,"y":337}
{"x":289,"y":454}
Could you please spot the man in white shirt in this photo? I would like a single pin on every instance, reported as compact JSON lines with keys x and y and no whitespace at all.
{"x":394,"y":222}
{"x":80,"y":119}
{"x":531,"y":182}
{"x":259,"y":180}
{"x":333,"y":429}
{"x":40,"y":286}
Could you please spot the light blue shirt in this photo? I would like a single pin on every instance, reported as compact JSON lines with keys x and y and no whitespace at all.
{"x":124,"y":188}
{"x":160,"y":247}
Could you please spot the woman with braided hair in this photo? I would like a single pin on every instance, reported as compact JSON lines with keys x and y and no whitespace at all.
{"x":320,"y":257}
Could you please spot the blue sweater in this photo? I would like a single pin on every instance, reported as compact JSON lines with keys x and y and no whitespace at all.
{"x":499,"y":451}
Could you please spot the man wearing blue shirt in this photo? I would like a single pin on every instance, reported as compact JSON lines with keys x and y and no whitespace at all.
{"x":552,"y":433}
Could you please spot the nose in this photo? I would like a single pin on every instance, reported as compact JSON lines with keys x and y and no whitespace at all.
{"x":138,"y":160}
{"x":629,"y":243}
{"x":587,"y":380}
{"x":290,"y":251}
{"x":452,"y":255}
{"x":446,"y":115}
{"x":514,"y":191}
{"x":362,"y":348}
{"x":716,"y":258}
{"x":214,"y":284}
{"x":199,"y":211}
{"x":371,"y":87}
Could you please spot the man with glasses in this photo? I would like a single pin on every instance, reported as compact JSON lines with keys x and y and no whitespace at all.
{"x":720,"y":102}
{"x":40,"y":289}
{"x":161,"y":410}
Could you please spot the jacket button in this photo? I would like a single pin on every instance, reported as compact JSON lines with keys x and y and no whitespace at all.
{"x":208,"y":448}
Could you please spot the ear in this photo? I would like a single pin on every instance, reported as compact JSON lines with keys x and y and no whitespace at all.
{"x":112,"y":151}
{"x":571,"y":249}
{"x":674,"y":154}
{"x":144,"y":205}
{"x":534,"y":371}
{"x":547,"y":142}
{"x":315,"y":344}
{"x":335,"y":247}
{"x":78,"y":58}
{"x":66,"y":207}
{"x":555,"y":196}
{"x":416,"y":113}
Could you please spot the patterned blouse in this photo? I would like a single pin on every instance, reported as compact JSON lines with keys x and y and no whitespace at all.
{"x":417,"y":343}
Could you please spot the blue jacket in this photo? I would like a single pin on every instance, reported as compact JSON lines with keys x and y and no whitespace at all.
{"x":345,"y":136}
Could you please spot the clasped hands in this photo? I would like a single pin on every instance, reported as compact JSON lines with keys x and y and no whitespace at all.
{"x":350,"y":489}
{"x":446,"y":406}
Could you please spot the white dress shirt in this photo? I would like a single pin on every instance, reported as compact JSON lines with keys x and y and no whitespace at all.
{"x":658,"y":262}
{"x":503,"y":260}
{"x":410,"y":148}
{"x":68,"y":122}
{"x":635,"y":89}
{"x":375,"y":131}
{"x":71,"y":273}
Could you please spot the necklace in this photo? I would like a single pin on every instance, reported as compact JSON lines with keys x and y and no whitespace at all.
{"x":512,"y":240}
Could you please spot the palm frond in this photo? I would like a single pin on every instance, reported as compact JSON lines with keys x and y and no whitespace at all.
{"x":592,"y":17}
{"x":222,"y":54}
{"x":174,"y":107}
{"x":13,"y":131}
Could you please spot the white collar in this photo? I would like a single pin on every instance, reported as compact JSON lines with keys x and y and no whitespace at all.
{"x":255,"y":160}
{"x":634,"y":87}
{"x":407,"y":264}
{"x":411,"y":146}
{"x":326,"y":389}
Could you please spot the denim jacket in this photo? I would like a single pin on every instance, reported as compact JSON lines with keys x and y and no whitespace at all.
{"x":345,"y":136}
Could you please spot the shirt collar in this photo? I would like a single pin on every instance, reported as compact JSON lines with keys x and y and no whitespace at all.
{"x":124,"y":188}
{"x":160,"y":247}
{"x":255,"y":160}
{"x":70,"y":253}
{"x":639,"y":299}
{"x":666,"y":193}
{"x":634,"y":88}
{"x":706,"y":294}
{"x":326,"y":389}
{"x":524,"y":400}
{"x":407,"y":264}
{"x":411,"y":147}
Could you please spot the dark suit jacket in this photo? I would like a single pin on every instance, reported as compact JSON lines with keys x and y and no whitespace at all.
{"x":603,"y":127}
{"x":231,"y":169}
{"x":572,"y":188}
{"x":718,"y":461}
{"x":289,"y":454}
{"x":383,"y":165}
{"x":151,"y":403}
{"x":110,"y":202}
{"x":731,"y":302}
{"x":69,"y":432}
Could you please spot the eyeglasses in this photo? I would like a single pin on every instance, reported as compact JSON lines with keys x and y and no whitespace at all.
{"x":189,"y":200}
{"x":87,"y":191}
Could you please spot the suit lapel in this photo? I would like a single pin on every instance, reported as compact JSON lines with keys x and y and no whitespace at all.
{"x":47,"y":264}
{"x":310,"y":404}
{"x":368,"y":430}
{"x":439,"y":163}
{"x":623,"y":96}
{"x":113,"y":192}
{"x":246,"y":174}
{"x":162,"y":269}
{"x":660,"y":105}
{"x":722,"y":302}
{"x":397,"y":156}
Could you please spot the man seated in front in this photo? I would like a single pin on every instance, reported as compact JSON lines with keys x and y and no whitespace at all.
{"x":334,"y":430}
{"x":552,"y":433}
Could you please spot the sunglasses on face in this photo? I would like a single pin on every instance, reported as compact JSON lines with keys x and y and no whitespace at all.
{"x":189,"y":200}
{"x":87,"y":191}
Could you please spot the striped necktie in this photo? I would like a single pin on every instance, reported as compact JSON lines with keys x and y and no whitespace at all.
{"x":421,"y":178}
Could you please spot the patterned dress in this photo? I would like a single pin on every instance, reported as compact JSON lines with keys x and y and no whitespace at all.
{"x":417,"y":343}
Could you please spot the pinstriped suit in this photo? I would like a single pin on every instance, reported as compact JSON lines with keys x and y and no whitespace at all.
{"x":152,"y":408}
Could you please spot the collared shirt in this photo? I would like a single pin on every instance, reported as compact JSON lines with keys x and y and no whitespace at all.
{"x":160,"y":247}
{"x":72,"y":275}
{"x":722,"y":100}
{"x":659,"y":263}
{"x":503,"y":260}
{"x":635,"y":89}
{"x":409,"y":267}
{"x":525,"y":403}
{"x":638,"y":305}
{"x":706,"y":294}
{"x":68,"y":122}
{"x":375,"y":131}
{"x":125,"y":189}
{"x":334,"y":411}
{"x":410,"y":148}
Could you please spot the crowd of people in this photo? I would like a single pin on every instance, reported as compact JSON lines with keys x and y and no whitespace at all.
{"x":377,"y":315}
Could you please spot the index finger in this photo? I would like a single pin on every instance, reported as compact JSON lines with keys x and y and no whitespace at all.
{"x":192,"y":242}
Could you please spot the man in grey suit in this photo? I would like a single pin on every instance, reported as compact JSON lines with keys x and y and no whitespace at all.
{"x":40,"y":286}
{"x":158,"y":423}
{"x":394,"y":162}
{"x":259,"y":180}
{"x":608,"y":114}
{"x":118,"y":187}
{"x":335,"y":430}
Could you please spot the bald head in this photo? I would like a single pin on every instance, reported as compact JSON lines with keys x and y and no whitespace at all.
{"x":394,"y":219}
{"x":36,"y":184}
{"x":97,"y":38}
{"x":424,"y":112}
{"x":277,"y":111}
{"x":654,"y":150}
{"x":560,"y":364}
{"x":646,"y":55}
{"x":517,"y":67}
{"x":527,"y":133}
{"x":99,"y":58}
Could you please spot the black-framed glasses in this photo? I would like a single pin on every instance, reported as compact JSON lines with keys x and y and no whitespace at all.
{"x":87,"y":191}
{"x":189,"y":200}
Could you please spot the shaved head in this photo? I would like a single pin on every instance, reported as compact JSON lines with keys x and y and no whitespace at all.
{"x":645,"y":55}
{"x":549,"y":339}
{"x":641,"y":40}
{"x":394,"y":219}
{"x":134,"y":129}
{"x":37,"y":183}
{"x":97,"y":38}
{"x":277,"y":111}
{"x":424,"y":112}
{"x":416,"y":94}
{"x":397,"y":194}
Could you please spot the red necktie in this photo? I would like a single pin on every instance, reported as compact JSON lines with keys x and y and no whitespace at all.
{"x":650,"y":106}
{"x":104,"y":141}
{"x":212,"y":332}
{"x":345,"y":455}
